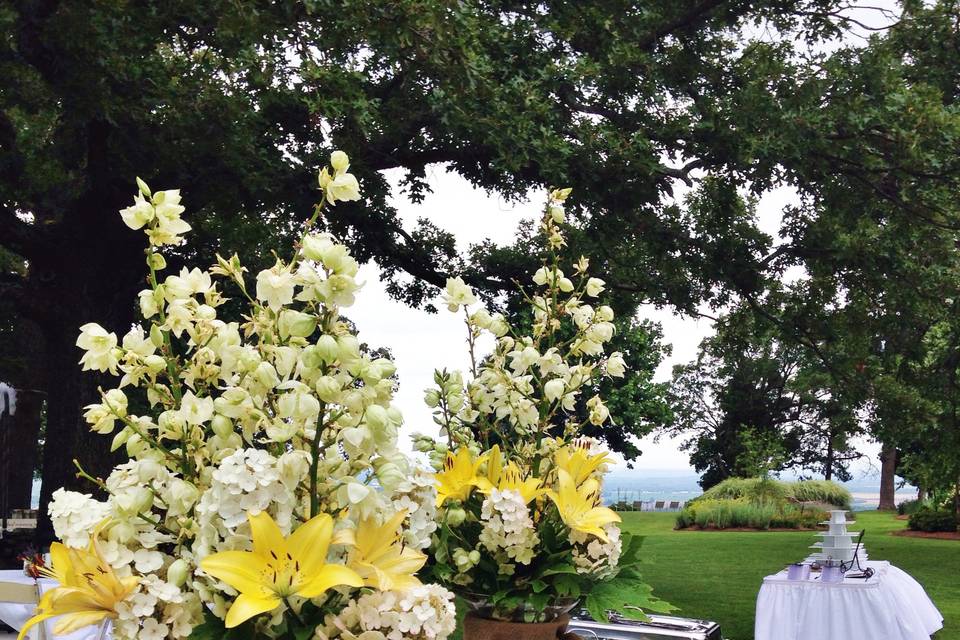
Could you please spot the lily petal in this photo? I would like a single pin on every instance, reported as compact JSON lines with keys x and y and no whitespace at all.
{"x":329,"y":576}
{"x":309,"y":543}
{"x":241,"y":570}
{"x":266,"y":534}
{"x":70,"y":622}
{"x":246,"y":606}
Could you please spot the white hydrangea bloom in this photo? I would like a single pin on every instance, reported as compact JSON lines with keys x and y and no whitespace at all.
{"x":74,"y":515}
{"x":249,"y":480}
{"x":507,"y":526}
{"x":421,"y":613}
{"x":417,"y":495}
{"x":593,"y":556}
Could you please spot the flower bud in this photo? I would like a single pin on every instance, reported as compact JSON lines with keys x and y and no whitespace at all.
{"x":315,"y":245}
{"x":377,"y":417}
{"x":134,"y":500}
{"x":339,"y":161}
{"x":156,"y":336}
{"x":432,"y":398}
{"x":135,"y":445}
{"x":348,"y":348}
{"x":120,"y":439}
{"x":156,"y":261}
{"x":177,"y":572}
{"x":296,"y":324}
{"x":553,"y":389}
{"x":328,"y":389}
{"x":221,"y":425}
{"x":456,"y":516}
{"x":327,"y":349}
{"x":389,"y":474}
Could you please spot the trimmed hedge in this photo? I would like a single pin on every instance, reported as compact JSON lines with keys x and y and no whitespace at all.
{"x":933,"y":520}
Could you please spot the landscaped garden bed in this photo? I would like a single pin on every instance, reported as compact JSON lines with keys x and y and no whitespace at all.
{"x":763,"y":504}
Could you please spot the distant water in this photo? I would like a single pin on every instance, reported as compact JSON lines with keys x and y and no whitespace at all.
{"x":680,"y":485}
{"x":646,"y":485}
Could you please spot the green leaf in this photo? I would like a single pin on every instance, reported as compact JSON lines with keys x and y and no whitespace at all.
{"x":632,"y":544}
{"x":558,"y":568}
{"x":628,"y":596}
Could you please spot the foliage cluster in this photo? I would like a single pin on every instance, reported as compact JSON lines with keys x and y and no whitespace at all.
{"x":933,"y":520}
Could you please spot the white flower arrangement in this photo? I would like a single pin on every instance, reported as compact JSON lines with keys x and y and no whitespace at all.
{"x":522,"y":533}
{"x":264,"y":492}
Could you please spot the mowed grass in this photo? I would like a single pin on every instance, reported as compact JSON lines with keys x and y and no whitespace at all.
{"x":716,"y":575}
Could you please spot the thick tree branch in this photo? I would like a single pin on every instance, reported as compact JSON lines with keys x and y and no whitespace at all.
{"x":695,"y":14}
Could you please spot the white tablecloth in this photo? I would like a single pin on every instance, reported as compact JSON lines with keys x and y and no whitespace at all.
{"x":15,"y":615}
{"x":889,"y":606}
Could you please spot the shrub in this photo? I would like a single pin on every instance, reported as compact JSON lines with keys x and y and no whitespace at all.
{"x":726,"y":514}
{"x":910,"y":507}
{"x":765,"y":490}
{"x":927,"y":519}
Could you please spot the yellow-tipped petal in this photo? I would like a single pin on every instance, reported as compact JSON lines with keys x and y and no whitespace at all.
{"x":246,"y":606}
{"x":309,"y":543}
{"x":330,"y":575}
{"x":29,"y":624}
{"x":241,"y":570}
{"x":70,"y":622}
{"x":266,"y":534}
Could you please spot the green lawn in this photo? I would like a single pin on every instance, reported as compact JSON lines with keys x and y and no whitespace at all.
{"x":716,"y":575}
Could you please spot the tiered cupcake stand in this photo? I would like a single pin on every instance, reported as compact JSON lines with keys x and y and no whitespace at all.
{"x":838,"y":543}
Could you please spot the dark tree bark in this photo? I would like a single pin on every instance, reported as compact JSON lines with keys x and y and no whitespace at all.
{"x":22,"y":447}
{"x":888,"y":469}
{"x":828,"y":462}
{"x":91,"y":276}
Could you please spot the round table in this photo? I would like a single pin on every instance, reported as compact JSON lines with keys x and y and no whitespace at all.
{"x":890,"y":605}
{"x":15,"y":615}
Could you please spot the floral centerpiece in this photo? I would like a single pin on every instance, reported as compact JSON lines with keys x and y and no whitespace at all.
{"x":523,"y":536}
{"x":264,"y":495}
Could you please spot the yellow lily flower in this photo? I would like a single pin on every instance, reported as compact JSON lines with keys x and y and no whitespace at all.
{"x":88,"y":593}
{"x":278,"y":567}
{"x":381,"y":559}
{"x":579,"y":506}
{"x":512,"y":477}
{"x":575,"y":460}
{"x":459,"y":476}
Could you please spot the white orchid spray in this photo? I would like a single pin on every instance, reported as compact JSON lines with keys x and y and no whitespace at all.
{"x":265,"y":494}
{"x":522,"y":531}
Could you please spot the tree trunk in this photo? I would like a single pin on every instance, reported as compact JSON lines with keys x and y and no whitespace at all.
{"x":828,"y":462}
{"x":92,"y":276}
{"x":68,"y":436}
{"x":888,"y":468}
{"x":22,"y":447}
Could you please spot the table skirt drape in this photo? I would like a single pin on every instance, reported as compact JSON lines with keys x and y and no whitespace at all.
{"x":890,"y":606}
